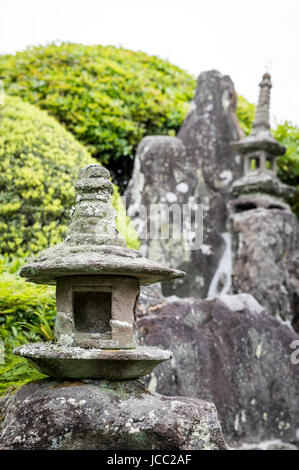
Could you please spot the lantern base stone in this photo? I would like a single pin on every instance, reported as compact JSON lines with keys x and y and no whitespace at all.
{"x":105,"y":415}
{"x":78,"y":363}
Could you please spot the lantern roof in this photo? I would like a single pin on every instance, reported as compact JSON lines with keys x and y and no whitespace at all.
{"x":93,"y":245}
{"x":260,"y":137}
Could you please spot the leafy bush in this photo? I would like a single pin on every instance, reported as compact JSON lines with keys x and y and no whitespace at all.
{"x":288,"y":164}
{"x":245,"y":112}
{"x":39,"y":161}
{"x":15,"y":371}
{"x":288,"y":135}
{"x":108,"y":97}
{"x":19,"y":300}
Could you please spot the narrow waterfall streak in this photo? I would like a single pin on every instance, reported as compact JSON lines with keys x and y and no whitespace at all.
{"x":224,"y":269}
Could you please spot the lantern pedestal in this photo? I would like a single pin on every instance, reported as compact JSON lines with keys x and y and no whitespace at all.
{"x":78,"y":363}
{"x":97,"y":282}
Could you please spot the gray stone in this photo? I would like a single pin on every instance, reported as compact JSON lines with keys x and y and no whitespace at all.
{"x":92,"y":244}
{"x":91,"y":310}
{"x":265,"y":247}
{"x":74,"y":362}
{"x":260,"y":138}
{"x":264,"y":232}
{"x":275,"y":444}
{"x":94,"y":260}
{"x":103,"y":415}
{"x":97,"y":282}
{"x":231,"y":352}
{"x":207,"y":132}
{"x":197,"y":167}
{"x":247,"y":202}
{"x":262,"y":182}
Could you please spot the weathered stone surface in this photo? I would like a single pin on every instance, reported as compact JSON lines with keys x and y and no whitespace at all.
{"x":96,"y":311}
{"x":207,"y":132}
{"x":93,"y":245}
{"x":230,"y":352}
{"x":102,"y":415}
{"x":247,"y":202}
{"x":67,"y":261}
{"x":265,"y":234}
{"x":78,"y":363}
{"x":260,"y":137}
{"x":265,"y":249}
{"x":98,"y":282}
{"x":274,"y":444}
{"x":262,"y":182}
{"x":198,"y":167}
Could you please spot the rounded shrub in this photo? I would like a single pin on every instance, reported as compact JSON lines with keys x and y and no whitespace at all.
{"x":108,"y":97}
{"x":39,"y":161}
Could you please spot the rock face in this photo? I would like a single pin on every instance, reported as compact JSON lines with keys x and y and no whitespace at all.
{"x":230,"y":352}
{"x":206,"y":133}
{"x":102,"y":415}
{"x":197,"y":167}
{"x":265,"y":234}
{"x":265,"y":249}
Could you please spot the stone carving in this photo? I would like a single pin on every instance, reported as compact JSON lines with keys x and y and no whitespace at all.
{"x":196,"y":167}
{"x":265,"y":233}
{"x":97,"y":286}
{"x":231,"y":352}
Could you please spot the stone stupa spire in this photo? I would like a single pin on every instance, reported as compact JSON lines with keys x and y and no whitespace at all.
{"x":262,"y":117}
{"x":260,"y":146}
{"x":259,"y":186}
{"x":93,"y":217}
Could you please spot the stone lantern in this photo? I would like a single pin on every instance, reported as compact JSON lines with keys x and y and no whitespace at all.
{"x":259,"y":186}
{"x":260,"y":149}
{"x":97,"y":282}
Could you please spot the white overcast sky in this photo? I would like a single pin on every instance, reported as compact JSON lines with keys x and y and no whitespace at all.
{"x":241,"y":38}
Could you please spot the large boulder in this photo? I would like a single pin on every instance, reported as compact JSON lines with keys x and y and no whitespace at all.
{"x":207,"y":132}
{"x":195,"y":168}
{"x":231,"y":352}
{"x":266,"y":259}
{"x":103,"y":415}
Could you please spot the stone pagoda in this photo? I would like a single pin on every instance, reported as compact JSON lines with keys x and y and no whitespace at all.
{"x":264,"y":231}
{"x":97,"y":282}
{"x":259,"y":186}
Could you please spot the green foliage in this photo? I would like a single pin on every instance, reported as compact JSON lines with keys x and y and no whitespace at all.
{"x":288,"y":164}
{"x":123,"y":223}
{"x":108,"y":97}
{"x":43,"y":328}
{"x":39,"y":162}
{"x":15,"y":371}
{"x":245,"y":112}
{"x":19,"y":301}
{"x":288,"y":135}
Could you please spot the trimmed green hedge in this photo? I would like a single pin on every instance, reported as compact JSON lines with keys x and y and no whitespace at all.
{"x":39,"y":162}
{"x":108,"y":97}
